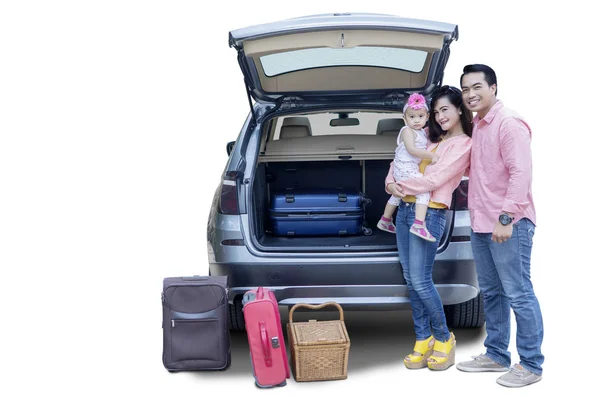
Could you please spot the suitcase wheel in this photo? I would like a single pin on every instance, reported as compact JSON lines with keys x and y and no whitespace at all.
{"x":256,"y":381}
{"x":269,"y":386}
{"x":367,"y":231}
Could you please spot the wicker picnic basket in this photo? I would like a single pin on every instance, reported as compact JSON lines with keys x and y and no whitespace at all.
{"x":319,"y":349}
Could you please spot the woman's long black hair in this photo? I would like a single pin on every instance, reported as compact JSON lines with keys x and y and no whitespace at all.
{"x":454,"y":95}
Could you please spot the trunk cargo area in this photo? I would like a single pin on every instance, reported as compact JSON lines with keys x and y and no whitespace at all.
{"x":364,"y":176}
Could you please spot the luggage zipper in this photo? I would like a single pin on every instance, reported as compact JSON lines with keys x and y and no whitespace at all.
{"x":192,"y":320}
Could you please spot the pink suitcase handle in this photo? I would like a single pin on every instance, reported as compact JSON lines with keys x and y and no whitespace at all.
{"x":264,"y":338}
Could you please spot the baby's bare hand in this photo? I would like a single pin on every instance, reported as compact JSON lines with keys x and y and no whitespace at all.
{"x":435,"y":159}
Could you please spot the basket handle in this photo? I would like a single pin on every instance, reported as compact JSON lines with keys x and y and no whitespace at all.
{"x":313,"y":307}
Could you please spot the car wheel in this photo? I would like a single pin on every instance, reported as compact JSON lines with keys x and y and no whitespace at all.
{"x":466,"y":315}
{"x":236,"y":316}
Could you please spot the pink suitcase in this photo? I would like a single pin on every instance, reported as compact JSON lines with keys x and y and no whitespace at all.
{"x":265,"y":337}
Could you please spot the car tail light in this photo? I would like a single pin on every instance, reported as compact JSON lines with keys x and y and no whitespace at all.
{"x":228,"y":202}
{"x":461,"y":196}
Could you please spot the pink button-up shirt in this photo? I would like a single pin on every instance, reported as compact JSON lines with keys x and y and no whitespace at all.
{"x":500,"y":173}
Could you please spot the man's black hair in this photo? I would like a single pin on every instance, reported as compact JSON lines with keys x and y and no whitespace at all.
{"x":488,"y":73}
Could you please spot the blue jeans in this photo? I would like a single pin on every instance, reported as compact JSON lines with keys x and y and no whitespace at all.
{"x":417,"y":256}
{"x":503,"y":272}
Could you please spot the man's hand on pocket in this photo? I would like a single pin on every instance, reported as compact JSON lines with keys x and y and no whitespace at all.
{"x":502,"y":233}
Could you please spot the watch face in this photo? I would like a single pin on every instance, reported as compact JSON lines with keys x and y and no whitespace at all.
{"x":505,"y":219}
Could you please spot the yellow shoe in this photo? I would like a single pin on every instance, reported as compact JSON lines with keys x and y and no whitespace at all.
{"x":446,"y":350}
{"x":424,"y":348}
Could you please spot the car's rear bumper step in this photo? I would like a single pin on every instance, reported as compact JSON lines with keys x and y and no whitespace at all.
{"x":388,"y":295}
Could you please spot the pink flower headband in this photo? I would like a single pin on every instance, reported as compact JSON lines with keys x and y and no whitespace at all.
{"x":416,"y":101}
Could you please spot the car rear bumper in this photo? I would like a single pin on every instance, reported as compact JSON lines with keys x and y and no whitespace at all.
{"x":356,"y":286}
{"x":362,"y":297}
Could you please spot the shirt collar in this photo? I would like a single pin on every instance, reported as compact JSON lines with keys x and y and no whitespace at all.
{"x":489,"y":117}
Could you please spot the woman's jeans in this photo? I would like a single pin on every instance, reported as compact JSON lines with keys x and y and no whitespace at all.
{"x":417,"y":256}
{"x":503,"y":272}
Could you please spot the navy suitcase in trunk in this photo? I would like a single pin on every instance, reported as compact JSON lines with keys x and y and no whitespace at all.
{"x":318,"y":212}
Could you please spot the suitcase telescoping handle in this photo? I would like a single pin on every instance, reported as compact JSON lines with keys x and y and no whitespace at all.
{"x":264,"y":338}
{"x":312,"y":307}
{"x":194,"y":278}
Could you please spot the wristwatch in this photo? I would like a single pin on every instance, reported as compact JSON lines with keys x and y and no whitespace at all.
{"x":505,"y":219}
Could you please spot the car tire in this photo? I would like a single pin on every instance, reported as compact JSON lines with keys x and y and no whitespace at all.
{"x":469,"y":314}
{"x":236,"y":316}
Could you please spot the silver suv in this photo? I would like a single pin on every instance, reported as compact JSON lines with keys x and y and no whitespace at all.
{"x":328,"y":92}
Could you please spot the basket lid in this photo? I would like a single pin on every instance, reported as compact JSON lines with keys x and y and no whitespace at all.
{"x":319,"y":332}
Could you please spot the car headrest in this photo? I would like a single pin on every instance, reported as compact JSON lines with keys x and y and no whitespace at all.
{"x":390,"y":126}
{"x":294,"y":127}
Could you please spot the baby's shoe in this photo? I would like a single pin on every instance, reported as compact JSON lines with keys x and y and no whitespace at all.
{"x":422,"y":232}
{"x":386,"y":224}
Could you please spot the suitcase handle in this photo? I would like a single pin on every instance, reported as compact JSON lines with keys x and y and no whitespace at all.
{"x":260,"y":293}
{"x":194,"y":278}
{"x":264,"y":338}
{"x":312,"y":307}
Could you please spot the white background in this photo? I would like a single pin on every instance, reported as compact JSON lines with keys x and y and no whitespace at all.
{"x":114,"y":116}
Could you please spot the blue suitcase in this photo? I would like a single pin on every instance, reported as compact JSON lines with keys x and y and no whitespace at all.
{"x":318,"y":212}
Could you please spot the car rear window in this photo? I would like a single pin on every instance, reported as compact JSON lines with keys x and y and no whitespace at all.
{"x":320,"y":123}
{"x":385,"y":57}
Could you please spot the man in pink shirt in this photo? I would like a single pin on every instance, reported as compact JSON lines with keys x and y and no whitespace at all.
{"x":503,"y":224}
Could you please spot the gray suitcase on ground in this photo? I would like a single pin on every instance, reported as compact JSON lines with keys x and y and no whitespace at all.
{"x":195,"y":325}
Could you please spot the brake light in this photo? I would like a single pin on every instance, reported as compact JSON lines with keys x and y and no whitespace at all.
{"x":228,"y":202}
{"x":461,"y":195}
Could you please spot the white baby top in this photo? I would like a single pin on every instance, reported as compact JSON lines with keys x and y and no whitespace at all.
{"x":420,"y":143}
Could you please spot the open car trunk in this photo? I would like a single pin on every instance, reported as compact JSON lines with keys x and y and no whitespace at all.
{"x":310,"y":152}
{"x":365,"y":176}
